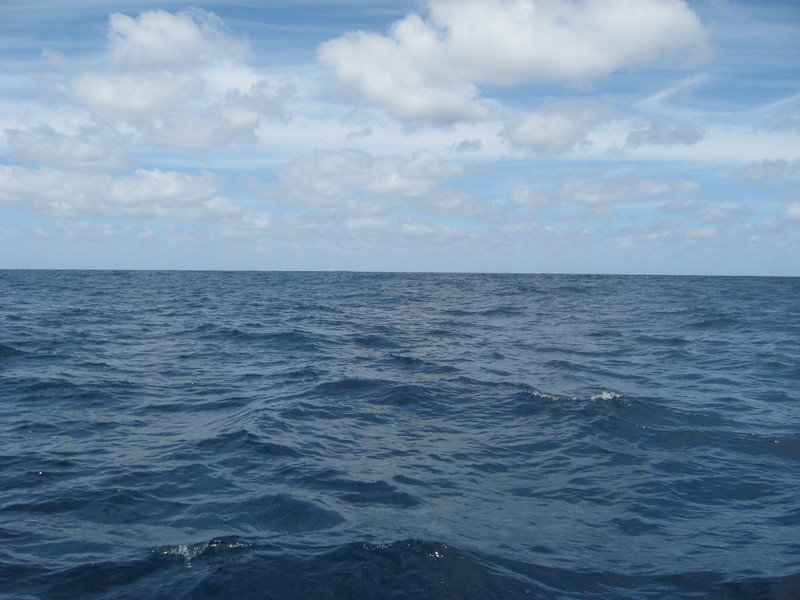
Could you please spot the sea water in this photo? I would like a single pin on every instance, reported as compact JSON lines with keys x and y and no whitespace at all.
{"x":367,"y":435}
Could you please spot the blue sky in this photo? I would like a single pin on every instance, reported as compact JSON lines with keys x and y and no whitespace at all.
{"x":580,"y":136}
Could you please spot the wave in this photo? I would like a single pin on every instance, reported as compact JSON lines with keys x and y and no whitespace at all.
{"x":242,"y":442}
{"x":193,"y":435}
{"x":241,"y":567}
{"x":10,"y":351}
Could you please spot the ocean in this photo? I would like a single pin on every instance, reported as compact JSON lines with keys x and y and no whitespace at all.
{"x":339,"y":435}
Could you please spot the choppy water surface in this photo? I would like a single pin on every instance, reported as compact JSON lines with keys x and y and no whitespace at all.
{"x":342,"y":435}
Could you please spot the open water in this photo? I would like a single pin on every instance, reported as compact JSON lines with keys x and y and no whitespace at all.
{"x":369,"y":436}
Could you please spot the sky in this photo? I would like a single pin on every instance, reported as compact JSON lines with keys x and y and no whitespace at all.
{"x":534,"y":136}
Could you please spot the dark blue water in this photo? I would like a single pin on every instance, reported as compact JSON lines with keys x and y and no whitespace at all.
{"x":343,"y":435}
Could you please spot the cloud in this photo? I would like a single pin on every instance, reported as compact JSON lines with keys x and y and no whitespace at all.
{"x":783,"y":122}
{"x":232,"y":120}
{"x":557,"y":127}
{"x":471,"y":145}
{"x":590,"y":213}
{"x":417,"y":229}
{"x":429,"y":69}
{"x":158,"y":39}
{"x":622,"y":188}
{"x":602,"y":191}
{"x":452,"y":203}
{"x":135,"y":97}
{"x":142,"y":194}
{"x":180,"y":81}
{"x":367,"y":223}
{"x":405,"y":73}
{"x":91,"y":147}
{"x":659,"y":133}
{"x":767,"y":171}
{"x":531,"y":196}
{"x":793,"y":212}
{"x":680,"y":91}
{"x":786,"y":115}
{"x":83,"y":231}
{"x":707,"y":213}
{"x":358,"y":179}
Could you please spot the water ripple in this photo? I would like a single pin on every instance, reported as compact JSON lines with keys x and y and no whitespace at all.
{"x":364,"y":435}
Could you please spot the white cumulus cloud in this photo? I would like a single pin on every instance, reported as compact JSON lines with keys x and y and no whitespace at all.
{"x":142,"y":194}
{"x":333,"y":178}
{"x":405,"y":72}
{"x":180,"y":80}
{"x":91,"y":147}
{"x":557,"y":127}
{"x":136,"y":97}
{"x":158,"y":39}
{"x":429,"y":68}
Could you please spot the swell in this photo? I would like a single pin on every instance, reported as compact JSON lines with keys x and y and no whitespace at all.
{"x":241,"y":567}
